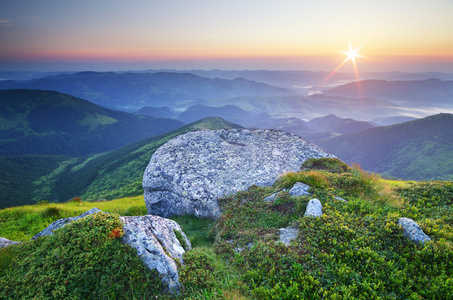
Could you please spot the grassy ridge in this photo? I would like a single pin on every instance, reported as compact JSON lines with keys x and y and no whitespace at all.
{"x":51,"y":123}
{"x":110,"y":175}
{"x":355,"y":250}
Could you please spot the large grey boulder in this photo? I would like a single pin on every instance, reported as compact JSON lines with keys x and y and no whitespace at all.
{"x":157,"y":245}
{"x":63,"y":222}
{"x":412,"y":231}
{"x":191,"y":171}
{"x":5,"y":242}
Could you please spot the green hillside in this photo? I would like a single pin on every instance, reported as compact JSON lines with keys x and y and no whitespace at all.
{"x":109,"y":175}
{"x":418,"y":150}
{"x":51,"y":123}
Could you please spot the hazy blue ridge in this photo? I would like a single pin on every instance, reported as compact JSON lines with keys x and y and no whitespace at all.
{"x":419,"y":150}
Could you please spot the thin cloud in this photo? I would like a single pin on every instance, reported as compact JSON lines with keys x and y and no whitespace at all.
{"x":33,"y":18}
{"x":5,"y":23}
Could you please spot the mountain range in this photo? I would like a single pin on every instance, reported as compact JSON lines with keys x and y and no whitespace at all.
{"x":132,"y":91}
{"x":280,"y":94}
{"x":418,"y":150}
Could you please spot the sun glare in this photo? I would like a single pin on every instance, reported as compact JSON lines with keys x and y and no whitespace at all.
{"x":352,"y":53}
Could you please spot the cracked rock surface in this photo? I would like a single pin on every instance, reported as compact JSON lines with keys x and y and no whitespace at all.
{"x":191,"y":171}
{"x":157,"y":245}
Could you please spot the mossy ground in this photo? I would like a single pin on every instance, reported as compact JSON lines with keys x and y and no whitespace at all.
{"x":355,"y":250}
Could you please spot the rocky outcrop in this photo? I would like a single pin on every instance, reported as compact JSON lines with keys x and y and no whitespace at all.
{"x":157,"y":244}
{"x":314,"y":208}
{"x":190,"y":172}
{"x":63,"y":222}
{"x":412,"y":231}
{"x":160,"y":242}
{"x":5,"y":242}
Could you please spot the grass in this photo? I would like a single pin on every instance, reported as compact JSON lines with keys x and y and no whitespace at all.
{"x":355,"y":250}
{"x":23,"y":222}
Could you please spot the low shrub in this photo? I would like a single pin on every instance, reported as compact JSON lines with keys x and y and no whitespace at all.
{"x":332,"y":165}
{"x":76,"y":200}
{"x":51,"y":211}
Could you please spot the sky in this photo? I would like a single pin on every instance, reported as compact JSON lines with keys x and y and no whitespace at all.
{"x":68,"y":35}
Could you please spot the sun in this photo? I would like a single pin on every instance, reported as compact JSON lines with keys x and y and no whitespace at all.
{"x":352,"y":54}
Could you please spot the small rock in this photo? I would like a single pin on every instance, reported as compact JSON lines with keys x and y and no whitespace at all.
{"x":63,"y":222}
{"x":340,"y":199}
{"x":314,"y":208}
{"x":288,"y":234}
{"x":272,"y":197}
{"x":299,"y":189}
{"x":5,"y":242}
{"x":412,"y":231}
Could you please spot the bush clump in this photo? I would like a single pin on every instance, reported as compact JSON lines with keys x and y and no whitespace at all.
{"x":76,"y":200}
{"x":83,"y":260}
{"x":332,"y":165}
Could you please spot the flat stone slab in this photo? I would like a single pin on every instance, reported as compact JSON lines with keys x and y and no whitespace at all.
{"x":288,"y":234}
{"x":5,"y":242}
{"x":340,"y":199}
{"x":191,"y":171}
